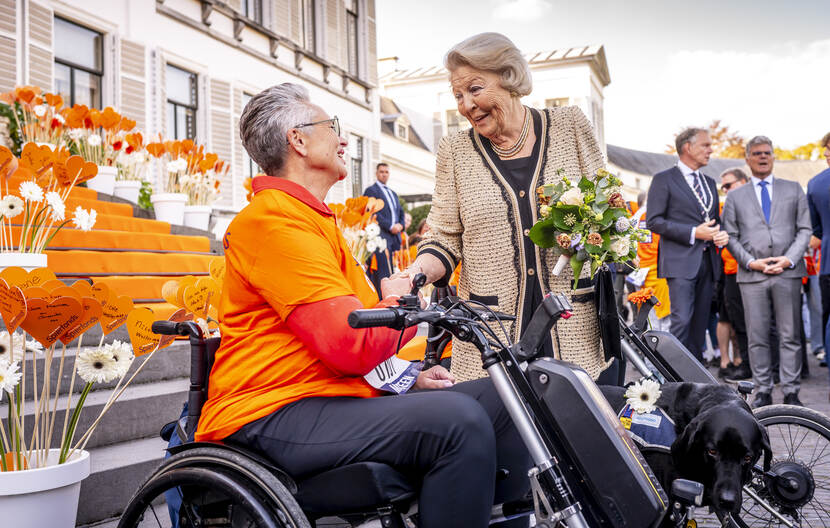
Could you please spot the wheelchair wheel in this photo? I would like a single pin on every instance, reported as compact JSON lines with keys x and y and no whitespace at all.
{"x":800,"y":441}
{"x":216,"y":488}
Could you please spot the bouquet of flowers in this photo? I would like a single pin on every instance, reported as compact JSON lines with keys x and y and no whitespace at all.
{"x":585,"y":221}
{"x":98,"y":136}
{"x":132,"y":160}
{"x":356,"y":220}
{"x":38,"y":117}
{"x":190,"y":170}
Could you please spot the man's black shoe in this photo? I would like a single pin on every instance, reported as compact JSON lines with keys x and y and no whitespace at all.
{"x":740,"y":373}
{"x":792,"y":399}
{"x":727,"y":371}
{"x":762,"y":399}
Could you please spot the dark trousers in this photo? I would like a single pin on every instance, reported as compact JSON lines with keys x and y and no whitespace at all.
{"x":383,"y":271}
{"x":691,"y":302}
{"x":735,"y":312}
{"x":824,"y":286}
{"x":452,"y":440}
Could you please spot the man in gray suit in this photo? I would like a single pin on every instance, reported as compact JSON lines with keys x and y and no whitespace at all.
{"x":769,"y":228}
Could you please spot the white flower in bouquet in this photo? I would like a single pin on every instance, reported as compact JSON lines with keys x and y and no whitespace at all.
{"x":361,"y":233}
{"x":185,"y":180}
{"x":372,"y":230}
{"x":350,"y":236}
{"x":31,"y":191}
{"x":94,"y":140}
{"x":371,"y":245}
{"x":9,"y":376}
{"x":642,"y":396}
{"x":40,"y":110}
{"x":56,"y":203}
{"x":620,"y":246}
{"x":381,"y":242}
{"x":572,"y":196}
{"x":123,"y":354}
{"x":6,"y":347}
{"x":59,"y":118}
{"x":97,"y":365}
{"x":83,"y":219}
{"x":622,"y":225}
{"x":544,"y":210}
{"x":76,"y":134}
{"x":10,"y":206}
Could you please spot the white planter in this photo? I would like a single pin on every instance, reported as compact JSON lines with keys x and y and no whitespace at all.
{"x":197,"y":216}
{"x":47,"y":496}
{"x":127,"y":189}
{"x":169,"y":207}
{"x":104,"y":181}
{"x":27,"y":261}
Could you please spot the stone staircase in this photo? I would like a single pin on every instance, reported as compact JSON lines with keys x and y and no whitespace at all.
{"x":134,"y":255}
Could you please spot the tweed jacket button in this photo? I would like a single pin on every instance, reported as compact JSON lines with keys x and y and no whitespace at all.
{"x":527,"y":232}
{"x":530,"y":271}
{"x":521,"y":194}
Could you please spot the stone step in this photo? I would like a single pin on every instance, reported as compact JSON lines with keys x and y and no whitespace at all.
{"x":117,"y":472}
{"x":140,"y":411}
{"x":172,"y":362}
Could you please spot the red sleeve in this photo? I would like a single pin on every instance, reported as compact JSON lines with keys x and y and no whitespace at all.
{"x":350,"y":351}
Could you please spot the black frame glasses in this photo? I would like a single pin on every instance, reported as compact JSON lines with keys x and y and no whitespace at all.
{"x":335,"y":124}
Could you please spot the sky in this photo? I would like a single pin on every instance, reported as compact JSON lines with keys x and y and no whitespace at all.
{"x":761,"y":67}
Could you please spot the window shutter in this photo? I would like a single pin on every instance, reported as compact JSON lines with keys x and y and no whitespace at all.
{"x":238,"y":165}
{"x":133,"y":78}
{"x":221,"y":135}
{"x":333,"y":46}
{"x":8,"y":44}
{"x":296,"y":21}
{"x":40,"y":46}
{"x":281,"y":18}
{"x":372,"y":51}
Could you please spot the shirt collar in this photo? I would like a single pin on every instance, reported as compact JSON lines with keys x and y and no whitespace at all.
{"x":685,"y":169}
{"x":295,"y":190}
{"x":757,"y":181}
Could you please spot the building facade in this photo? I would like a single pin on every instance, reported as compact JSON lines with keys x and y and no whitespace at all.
{"x":186,"y":68}
{"x":407,"y":145}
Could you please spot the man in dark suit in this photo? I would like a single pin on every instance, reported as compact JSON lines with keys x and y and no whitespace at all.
{"x":683,"y":208}
{"x":818,"y":200}
{"x":390,"y":219}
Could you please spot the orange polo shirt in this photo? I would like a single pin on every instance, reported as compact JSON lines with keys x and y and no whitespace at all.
{"x":281,"y":251}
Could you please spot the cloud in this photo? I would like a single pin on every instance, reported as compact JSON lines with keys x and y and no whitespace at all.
{"x":521,"y":10}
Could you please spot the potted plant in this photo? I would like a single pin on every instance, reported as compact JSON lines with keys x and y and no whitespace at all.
{"x":132,"y":164}
{"x":202,"y":188}
{"x":33,"y":201}
{"x":37,"y":116}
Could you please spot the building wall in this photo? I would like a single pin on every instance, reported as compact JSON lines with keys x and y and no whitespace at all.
{"x":411,"y":169}
{"x":231,"y":54}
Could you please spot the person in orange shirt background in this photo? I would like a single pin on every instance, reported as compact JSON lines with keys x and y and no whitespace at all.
{"x":731,"y":323}
{"x":647,"y":255}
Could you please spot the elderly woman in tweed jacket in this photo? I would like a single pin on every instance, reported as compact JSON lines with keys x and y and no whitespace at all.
{"x":485,"y":201}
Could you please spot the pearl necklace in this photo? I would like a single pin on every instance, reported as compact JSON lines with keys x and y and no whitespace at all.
{"x":520,"y":143}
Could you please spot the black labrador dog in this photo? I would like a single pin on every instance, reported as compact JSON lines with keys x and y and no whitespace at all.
{"x":718,"y":441}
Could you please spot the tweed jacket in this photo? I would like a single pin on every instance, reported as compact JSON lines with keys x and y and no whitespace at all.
{"x":475,"y":219}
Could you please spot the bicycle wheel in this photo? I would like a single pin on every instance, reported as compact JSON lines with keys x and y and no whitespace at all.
{"x":216,"y":489}
{"x":800,"y":441}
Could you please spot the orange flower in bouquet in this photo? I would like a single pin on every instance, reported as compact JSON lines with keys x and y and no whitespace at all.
{"x":190,"y":169}
{"x":641,"y":296}
{"x":38,"y":116}
{"x":356,"y":219}
{"x":98,"y":136}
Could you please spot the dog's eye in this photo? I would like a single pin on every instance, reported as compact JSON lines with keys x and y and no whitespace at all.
{"x":713,"y":452}
{"x":747,"y":459}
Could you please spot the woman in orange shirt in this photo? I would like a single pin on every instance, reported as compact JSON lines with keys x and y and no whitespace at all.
{"x":294,"y":382}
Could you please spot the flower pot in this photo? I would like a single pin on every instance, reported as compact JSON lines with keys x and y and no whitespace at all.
{"x":46,"y":496}
{"x":197,"y":216}
{"x":104,"y":181}
{"x":169,"y":207}
{"x":27,"y":261}
{"x":127,"y":189}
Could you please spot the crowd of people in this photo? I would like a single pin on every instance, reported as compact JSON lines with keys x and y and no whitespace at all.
{"x":741,"y":263}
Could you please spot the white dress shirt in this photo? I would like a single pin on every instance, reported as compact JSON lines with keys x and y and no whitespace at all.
{"x":688,"y":175}
{"x":756,"y":184}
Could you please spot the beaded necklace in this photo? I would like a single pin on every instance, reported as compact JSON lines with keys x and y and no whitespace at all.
{"x":520,"y":143}
{"x":706,"y":201}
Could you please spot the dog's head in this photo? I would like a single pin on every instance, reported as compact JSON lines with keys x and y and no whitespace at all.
{"x":718,"y":449}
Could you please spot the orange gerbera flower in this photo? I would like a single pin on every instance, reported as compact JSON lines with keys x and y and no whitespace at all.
{"x":641,"y":296}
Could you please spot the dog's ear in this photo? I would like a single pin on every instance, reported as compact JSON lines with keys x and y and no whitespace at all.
{"x":686,"y":450}
{"x":765,"y":446}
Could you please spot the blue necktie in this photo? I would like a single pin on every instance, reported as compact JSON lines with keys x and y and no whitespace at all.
{"x":766,"y":203}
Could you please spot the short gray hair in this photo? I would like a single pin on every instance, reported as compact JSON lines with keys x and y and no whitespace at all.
{"x":266,"y":120}
{"x":687,"y":136}
{"x":493,"y":52}
{"x":735,"y":171}
{"x":758,"y":140}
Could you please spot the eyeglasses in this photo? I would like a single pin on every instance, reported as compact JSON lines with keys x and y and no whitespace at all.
{"x":335,"y":124}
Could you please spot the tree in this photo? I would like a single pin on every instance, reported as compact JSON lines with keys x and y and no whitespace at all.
{"x":725,"y":143}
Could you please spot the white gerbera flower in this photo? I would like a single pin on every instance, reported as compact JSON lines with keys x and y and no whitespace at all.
{"x":381,"y":242}
{"x":642,"y":396}
{"x":56,"y":203}
{"x":97,"y":365}
{"x":94,"y":140}
{"x":77,"y":133}
{"x":371,"y":245}
{"x":40,"y":110}
{"x":9,"y":376}
{"x":60,"y":118}
{"x":372,"y":230}
{"x":31,"y":191}
{"x":123,"y":354}
{"x":83,"y":219}
{"x":10,"y":206}
{"x":6,"y":347}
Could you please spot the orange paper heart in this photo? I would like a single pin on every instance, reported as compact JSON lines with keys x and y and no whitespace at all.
{"x":83,"y":288}
{"x":12,"y":306}
{"x":13,"y":275}
{"x":48,"y":321}
{"x":91,"y":316}
{"x":52,"y":284}
{"x":101,"y":292}
{"x":179,"y":316}
{"x":37,"y":278}
{"x":169,"y":292}
{"x":35,"y":293}
{"x":184,"y":283}
{"x":115,"y":312}
{"x":198,"y":298}
{"x":217,"y":269}
{"x":139,"y":326}
{"x":63,"y":291}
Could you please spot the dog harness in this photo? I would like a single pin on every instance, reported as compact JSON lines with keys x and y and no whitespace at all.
{"x":653,"y":430}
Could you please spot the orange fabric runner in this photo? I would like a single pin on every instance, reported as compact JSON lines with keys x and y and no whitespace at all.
{"x":85,"y":262}
{"x":68,"y":237}
{"x":111,"y":208}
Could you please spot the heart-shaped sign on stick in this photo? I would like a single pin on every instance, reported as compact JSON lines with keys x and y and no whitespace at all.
{"x":115,"y":312}
{"x":179,"y":316}
{"x":101,"y":292}
{"x":217,"y":269}
{"x":83,"y":288}
{"x":46,"y":322}
{"x":139,"y":326}
{"x":12,"y":306}
{"x":35,"y":293}
{"x":169,"y":292}
{"x":37,"y":278}
{"x":14,"y":275}
{"x":198,"y":297}
{"x":62,"y":291}
{"x":184,"y":283}
{"x":91,"y":315}
{"x":52,"y":284}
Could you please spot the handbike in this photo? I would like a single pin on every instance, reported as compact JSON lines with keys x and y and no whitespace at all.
{"x":794,"y":492}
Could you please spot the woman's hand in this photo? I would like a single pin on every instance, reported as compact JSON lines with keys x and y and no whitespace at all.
{"x":395,"y":285}
{"x":435,"y":378}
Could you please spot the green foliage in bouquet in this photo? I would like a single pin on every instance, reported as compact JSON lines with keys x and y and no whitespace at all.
{"x":587,"y":221}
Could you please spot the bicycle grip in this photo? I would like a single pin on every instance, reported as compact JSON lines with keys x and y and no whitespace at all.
{"x":166,"y":328}
{"x":373,"y":317}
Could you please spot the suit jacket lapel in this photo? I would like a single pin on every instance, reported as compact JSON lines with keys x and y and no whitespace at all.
{"x":680,"y":181}
{"x":777,"y":194}
{"x":754,"y":199}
